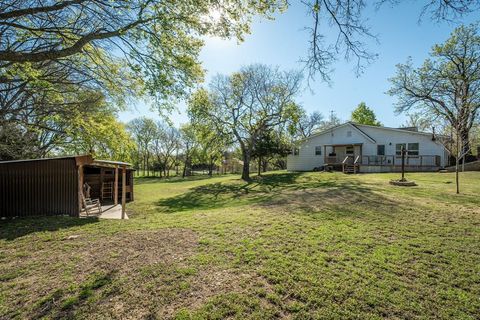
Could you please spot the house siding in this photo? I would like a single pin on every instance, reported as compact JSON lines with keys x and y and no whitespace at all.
{"x":306,"y":160}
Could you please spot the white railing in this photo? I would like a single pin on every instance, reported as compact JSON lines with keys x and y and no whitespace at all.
{"x":410,"y":160}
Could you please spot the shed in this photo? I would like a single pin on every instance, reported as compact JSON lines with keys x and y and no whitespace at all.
{"x":54,"y":186}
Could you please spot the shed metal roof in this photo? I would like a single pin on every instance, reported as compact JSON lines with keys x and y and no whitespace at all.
{"x":76,"y":157}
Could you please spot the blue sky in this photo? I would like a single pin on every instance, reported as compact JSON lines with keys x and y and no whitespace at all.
{"x":283,"y":42}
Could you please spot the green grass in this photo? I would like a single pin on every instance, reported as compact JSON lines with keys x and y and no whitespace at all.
{"x":286,"y":245}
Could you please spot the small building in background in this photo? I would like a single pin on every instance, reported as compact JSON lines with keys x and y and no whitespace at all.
{"x":57,"y":186}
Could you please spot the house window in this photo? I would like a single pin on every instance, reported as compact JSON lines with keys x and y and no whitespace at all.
{"x":349,"y":150}
{"x":349,"y":133}
{"x":398,"y":148}
{"x":413,"y":149}
{"x":381,"y":150}
{"x":318,"y":150}
{"x":295,"y":151}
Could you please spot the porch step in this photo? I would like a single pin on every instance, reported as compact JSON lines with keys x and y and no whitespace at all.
{"x":350,"y":168}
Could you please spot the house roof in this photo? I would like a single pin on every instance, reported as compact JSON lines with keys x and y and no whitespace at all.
{"x":395,"y":129}
{"x":351,"y":124}
{"x":359,"y":127}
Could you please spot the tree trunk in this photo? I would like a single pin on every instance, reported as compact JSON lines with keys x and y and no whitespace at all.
{"x":144,"y":159}
{"x":465,"y":143}
{"x":148,"y":169}
{"x":210,"y":167}
{"x":457,"y":160}
{"x":259,"y":166}
{"x":185,"y":167}
{"x":246,"y":165}
{"x":264,"y":165}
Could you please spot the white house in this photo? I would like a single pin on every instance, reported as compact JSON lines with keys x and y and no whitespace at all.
{"x":362,"y":148}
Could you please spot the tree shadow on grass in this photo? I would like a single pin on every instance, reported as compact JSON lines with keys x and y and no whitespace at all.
{"x":12,"y":229}
{"x":174,"y":179}
{"x":292,"y":190}
{"x":61,"y":305}
{"x":231,"y":193}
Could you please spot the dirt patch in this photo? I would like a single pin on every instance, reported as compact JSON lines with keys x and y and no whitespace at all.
{"x":59,"y":276}
{"x":203,"y":286}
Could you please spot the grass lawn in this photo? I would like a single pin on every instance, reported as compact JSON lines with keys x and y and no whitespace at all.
{"x":288,"y":245}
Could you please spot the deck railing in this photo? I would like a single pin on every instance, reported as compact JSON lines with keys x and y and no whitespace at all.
{"x":394,"y":160}
{"x":333,"y":159}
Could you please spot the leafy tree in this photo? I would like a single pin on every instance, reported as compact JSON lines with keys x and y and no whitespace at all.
{"x":165,"y":145}
{"x":102,"y":137}
{"x":143,"y":131}
{"x":248,"y":103}
{"x":364,"y":115}
{"x":44,"y":101}
{"x":211,"y":144}
{"x":447,"y":85}
{"x":50,"y":50}
{"x":189,"y":147}
{"x":271,"y":145}
{"x":89,"y":126}
{"x":159,"y":40}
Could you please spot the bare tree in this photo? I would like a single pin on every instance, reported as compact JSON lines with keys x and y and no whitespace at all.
{"x":165,"y":145}
{"x":249,"y":103}
{"x":447,"y":85}
{"x":143,"y":131}
{"x":309,"y":123}
{"x":189,"y":143}
{"x":353,"y":34}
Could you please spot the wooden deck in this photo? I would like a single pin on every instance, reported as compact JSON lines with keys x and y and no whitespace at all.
{"x":109,"y":211}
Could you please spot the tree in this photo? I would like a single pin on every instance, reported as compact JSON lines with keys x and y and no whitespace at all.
{"x":364,"y":115}
{"x":99,"y":134}
{"x":419,"y":120}
{"x":309,"y":123}
{"x":43,"y":101}
{"x":271,"y":144}
{"x":248,"y":103}
{"x":45,"y":128}
{"x":352,"y":32}
{"x":189,"y":147}
{"x":159,"y":40}
{"x":165,"y":145}
{"x":446,"y":86}
{"x":332,"y":121}
{"x":143,"y":131}
{"x":50,"y":50}
{"x":211,"y":144}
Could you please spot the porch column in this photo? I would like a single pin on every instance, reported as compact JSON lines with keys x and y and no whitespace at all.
{"x":124,"y":189}
{"x":115,"y":187}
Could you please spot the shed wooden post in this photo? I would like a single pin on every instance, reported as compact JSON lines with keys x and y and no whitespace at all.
{"x":80,"y":188}
{"x":115,"y":187}
{"x":124,"y":189}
